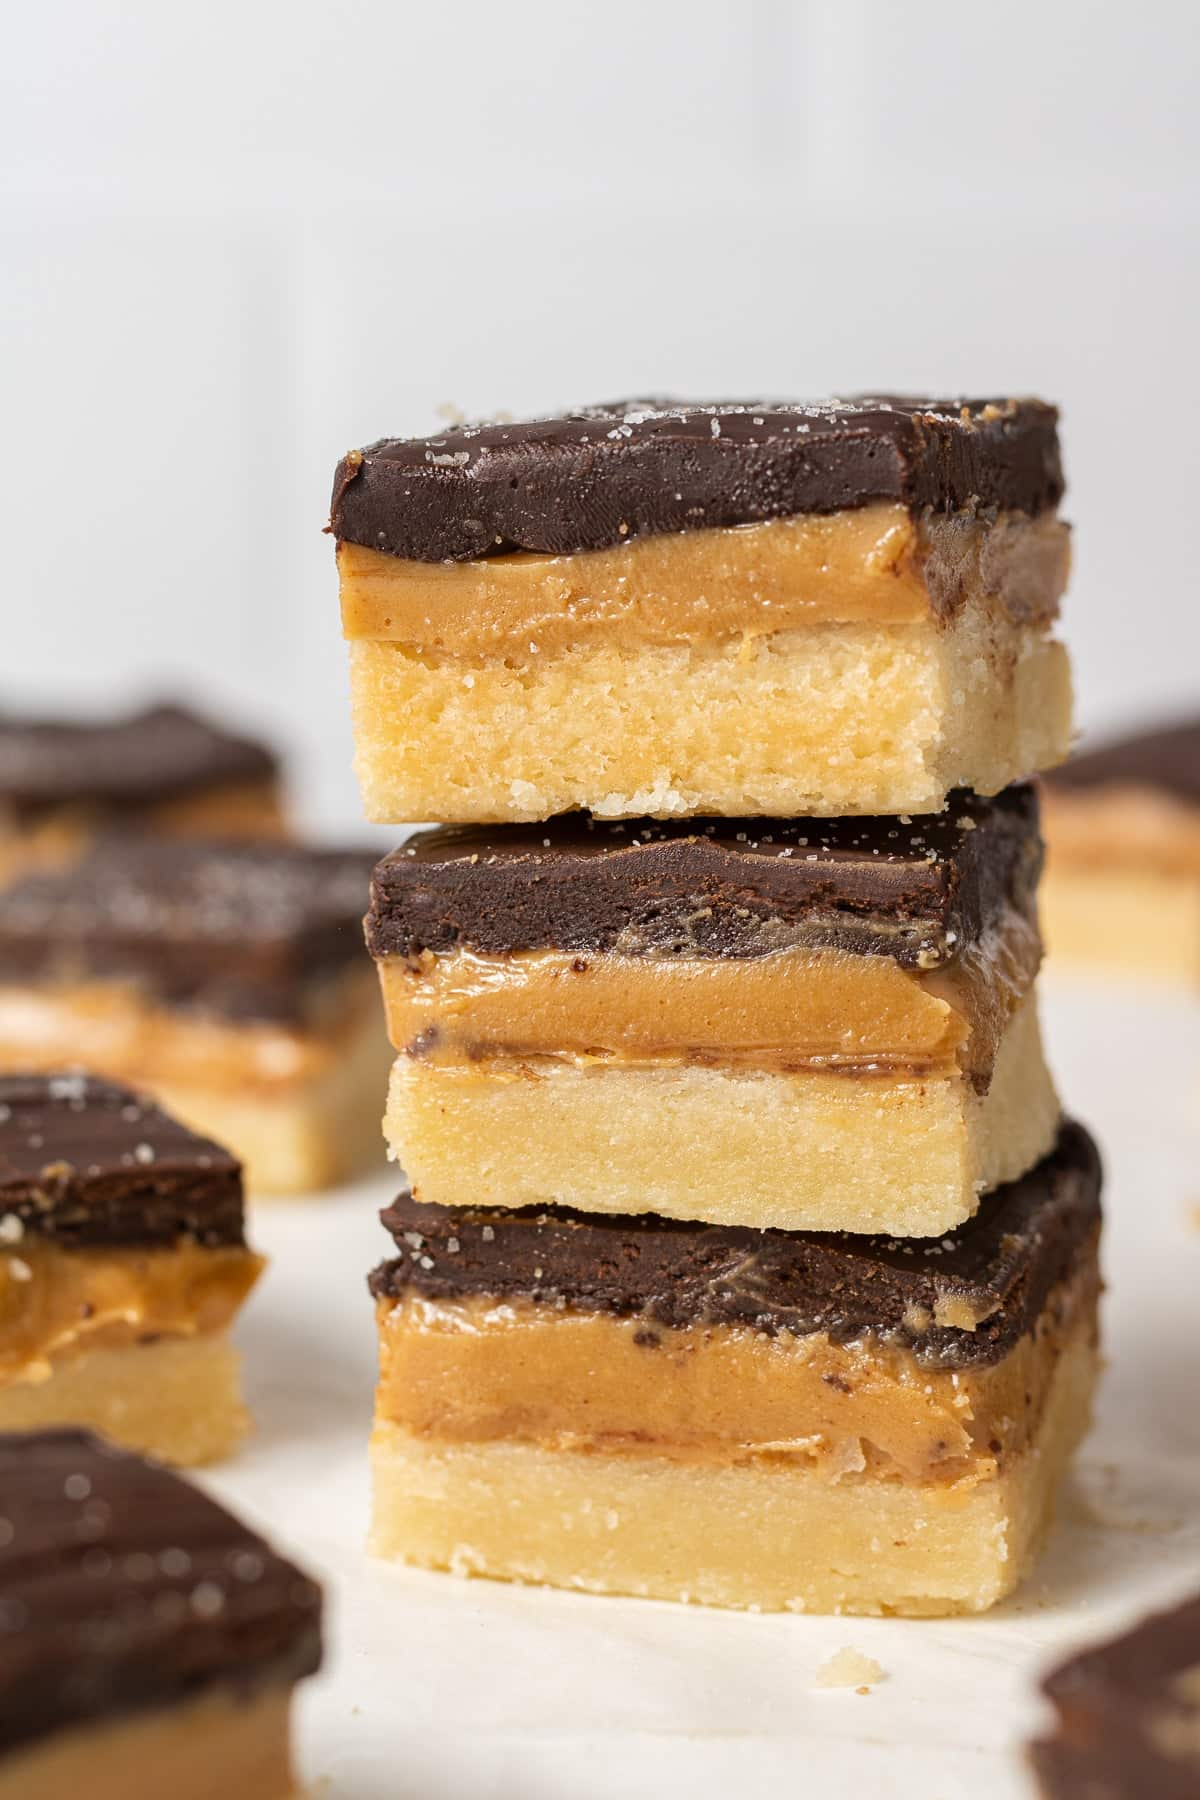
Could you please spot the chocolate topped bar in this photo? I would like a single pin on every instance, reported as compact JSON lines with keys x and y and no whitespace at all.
{"x":1168,"y":759}
{"x":123,"y":1588}
{"x":241,"y":929}
{"x":919,"y":890}
{"x":160,"y":754}
{"x":997,"y":1270}
{"x":605,"y":474}
{"x":86,"y":1162}
{"x":1128,"y":1715}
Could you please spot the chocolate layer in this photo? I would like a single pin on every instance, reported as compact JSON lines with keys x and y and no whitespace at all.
{"x":243,"y":930}
{"x":605,"y":474}
{"x":999,"y":1268}
{"x":1129,"y":1715}
{"x":1168,"y":760}
{"x":920,"y":890}
{"x":122,"y":1588}
{"x":86,"y":1162}
{"x":161,"y":754}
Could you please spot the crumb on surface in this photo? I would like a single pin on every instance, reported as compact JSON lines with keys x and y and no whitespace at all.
{"x":849,"y":1668}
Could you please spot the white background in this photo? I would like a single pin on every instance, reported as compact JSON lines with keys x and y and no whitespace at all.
{"x":236,"y":239}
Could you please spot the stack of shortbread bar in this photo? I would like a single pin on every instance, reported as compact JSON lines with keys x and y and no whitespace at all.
{"x":748,"y":1259}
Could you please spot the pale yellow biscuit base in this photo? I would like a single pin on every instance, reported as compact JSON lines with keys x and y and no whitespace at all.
{"x":298,"y":1104}
{"x":763,"y":1534}
{"x":1121,"y":894}
{"x":1134,"y":924}
{"x":838,"y":718}
{"x":178,"y":1399}
{"x":221,"y":1743}
{"x":805,"y":1151}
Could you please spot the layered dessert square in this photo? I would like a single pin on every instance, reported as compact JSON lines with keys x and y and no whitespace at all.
{"x":811,"y":1024}
{"x":763,"y":1419}
{"x":227,"y":979}
{"x":1128,"y":1715}
{"x":164,"y":770}
{"x":735,"y":608}
{"x":1122,"y":890}
{"x":150,"y":1643}
{"x":123,"y":1263}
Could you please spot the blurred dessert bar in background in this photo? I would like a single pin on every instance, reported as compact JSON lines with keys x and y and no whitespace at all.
{"x":229,"y":980}
{"x":123,"y":1262}
{"x":737,"y":1417}
{"x":160,"y":1640}
{"x":733,"y":608}
{"x":811,"y":1024}
{"x":164,"y":770}
{"x":1122,"y":887}
{"x":1128,"y":1724}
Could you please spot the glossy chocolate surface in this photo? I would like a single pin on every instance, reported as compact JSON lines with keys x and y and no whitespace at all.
{"x":607,"y":474}
{"x":124,"y":1588}
{"x":86,"y":1163}
{"x":920,"y":890}
{"x":240,"y":929}
{"x":1002,"y":1265}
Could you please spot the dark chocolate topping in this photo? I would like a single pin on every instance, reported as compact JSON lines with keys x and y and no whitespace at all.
{"x":1168,"y":759}
{"x":1003,"y":1264}
{"x":242,"y":930}
{"x":606,"y":474}
{"x":86,"y":1162}
{"x":158,"y":755}
{"x":920,"y":891}
{"x":124,"y":1588}
{"x":1129,"y":1715}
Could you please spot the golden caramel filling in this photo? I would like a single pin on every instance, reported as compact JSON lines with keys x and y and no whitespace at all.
{"x":789,"y":1010}
{"x":116,"y":1030}
{"x":1126,"y":827}
{"x":57,"y":1303}
{"x":225,"y":1742}
{"x":479,"y":1369}
{"x":63,"y":835}
{"x":873,"y":563}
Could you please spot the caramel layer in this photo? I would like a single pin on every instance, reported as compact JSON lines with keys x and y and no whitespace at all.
{"x":1139,"y":829}
{"x":872,"y":563}
{"x":222,"y":1743}
{"x":113,"y":1028}
{"x":790,"y":1010}
{"x":475,"y":1371}
{"x":56,"y":1304}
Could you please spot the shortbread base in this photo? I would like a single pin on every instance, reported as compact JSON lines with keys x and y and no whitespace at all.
{"x":176,"y":1399}
{"x":798,"y":1152}
{"x":206,"y":1749}
{"x":299,"y":1105}
{"x":838,"y":718}
{"x":761,"y":1535}
{"x":1136,"y":924}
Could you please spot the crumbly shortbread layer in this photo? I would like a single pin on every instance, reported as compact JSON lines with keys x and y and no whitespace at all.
{"x":59,"y":1303}
{"x":880,"y":563}
{"x":800,"y":1151}
{"x":221,"y":1743}
{"x":1143,"y":924}
{"x":298,"y":1106}
{"x":767,"y":1535}
{"x":860,"y":718}
{"x":178,"y":1400}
